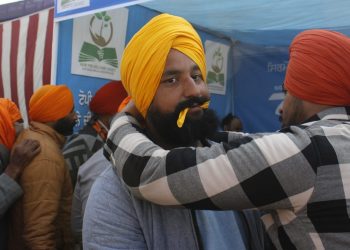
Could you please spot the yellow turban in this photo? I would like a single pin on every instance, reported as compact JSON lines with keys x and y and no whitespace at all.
{"x":12,"y":108}
{"x":50,"y":103}
{"x":144,"y":57}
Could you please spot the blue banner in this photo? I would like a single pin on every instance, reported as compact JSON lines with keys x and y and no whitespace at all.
{"x":67,"y":9}
{"x":258,"y":95}
{"x":84,"y":87}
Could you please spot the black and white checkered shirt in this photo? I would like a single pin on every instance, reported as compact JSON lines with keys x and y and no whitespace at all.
{"x":299,"y":177}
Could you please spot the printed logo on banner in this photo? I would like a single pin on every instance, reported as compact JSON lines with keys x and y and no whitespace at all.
{"x":98,"y":43}
{"x":84,"y":100}
{"x":278,"y":95}
{"x":101,"y":38}
{"x":65,"y":5}
{"x":216,"y":56}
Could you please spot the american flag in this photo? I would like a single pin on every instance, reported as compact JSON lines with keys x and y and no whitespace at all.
{"x":25,"y":56}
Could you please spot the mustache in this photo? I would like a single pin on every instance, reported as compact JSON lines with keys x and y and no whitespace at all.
{"x":193,"y":101}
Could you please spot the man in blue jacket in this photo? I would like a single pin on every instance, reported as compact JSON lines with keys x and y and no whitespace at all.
{"x":170,"y":76}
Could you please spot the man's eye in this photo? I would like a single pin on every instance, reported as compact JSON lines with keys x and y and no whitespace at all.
{"x":170,"y":80}
{"x":197,"y":77}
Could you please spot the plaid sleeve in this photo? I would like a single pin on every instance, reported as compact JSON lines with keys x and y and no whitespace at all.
{"x":275,"y":170}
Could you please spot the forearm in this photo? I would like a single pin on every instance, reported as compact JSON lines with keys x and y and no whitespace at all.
{"x":238,"y":175}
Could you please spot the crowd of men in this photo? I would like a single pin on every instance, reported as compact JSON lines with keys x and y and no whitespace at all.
{"x":151,"y":170}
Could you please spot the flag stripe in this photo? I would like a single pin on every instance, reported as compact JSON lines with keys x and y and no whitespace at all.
{"x":5,"y":60}
{"x":21,"y":67}
{"x":13,"y":59}
{"x":30,"y":52}
{"x":40,"y":50}
{"x":25,"y":56}
{"x":48,"y":49}
{"x":1,"y":81}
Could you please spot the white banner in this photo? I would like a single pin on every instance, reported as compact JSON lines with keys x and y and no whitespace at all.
{"x":98,"y":43}
{"x":65,"y":5}
{"x":216,"y":56}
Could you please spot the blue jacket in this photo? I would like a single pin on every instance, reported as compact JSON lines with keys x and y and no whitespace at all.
{"x":114,"y":219}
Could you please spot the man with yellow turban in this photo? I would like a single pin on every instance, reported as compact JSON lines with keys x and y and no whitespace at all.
{"x":298,"y":176}
{"x":40,"y":219}
{"x":163,"y":70}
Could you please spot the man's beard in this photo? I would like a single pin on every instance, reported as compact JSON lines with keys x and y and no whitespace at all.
{"x":193,"y":130}
{"x":296,"y":115}
{"x":64,"y":126}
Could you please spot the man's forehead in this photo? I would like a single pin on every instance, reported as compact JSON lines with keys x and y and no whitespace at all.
{"x":173,"y":70}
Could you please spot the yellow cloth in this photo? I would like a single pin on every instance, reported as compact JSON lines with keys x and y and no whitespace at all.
{"x":183,"y":113}
{"x":50,"y":103}
{"x":12,"y":108}
{"x":144,"y":57}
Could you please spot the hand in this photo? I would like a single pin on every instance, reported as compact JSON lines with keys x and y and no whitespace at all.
{"x":21,"y":155}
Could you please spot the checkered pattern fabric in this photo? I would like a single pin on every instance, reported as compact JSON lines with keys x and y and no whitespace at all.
{"x":299,"y":176}
{"x":80,"y":148}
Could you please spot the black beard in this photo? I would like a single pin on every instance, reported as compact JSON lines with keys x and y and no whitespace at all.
{"x":193,"y":129}
{"x":64,"y":126}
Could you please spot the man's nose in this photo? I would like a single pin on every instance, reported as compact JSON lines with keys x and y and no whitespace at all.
{"x":75,"y":116}
{"x":191,"y":87}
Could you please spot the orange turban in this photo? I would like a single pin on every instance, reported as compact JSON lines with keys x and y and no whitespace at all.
{"x":108,"y":98}
{"x":12,"y":109}
{"x":7,"y":129}
{"x":144,"y":57}
{"x":318,"y":69}
{"x":124,"y":103}
{"x":50,"y":103}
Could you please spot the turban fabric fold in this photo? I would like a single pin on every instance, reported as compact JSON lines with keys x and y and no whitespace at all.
{"x":318,"y":69}
{"x":50,"y":103}
{"x":124,"y":103}
{"x":108,"y":98}
{"x":12,"y":108}
{"x":7,"y":129}
{"x":145,"y":56}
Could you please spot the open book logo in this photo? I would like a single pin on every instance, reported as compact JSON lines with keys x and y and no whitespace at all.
{"x":101,"y":32}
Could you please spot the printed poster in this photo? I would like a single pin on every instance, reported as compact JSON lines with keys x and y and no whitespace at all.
{"x":216,"y":56}
{"x":66,"y":5}
{"x":98,"y":43}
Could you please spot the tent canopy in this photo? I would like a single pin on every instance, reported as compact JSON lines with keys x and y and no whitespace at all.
{"x":259,"y":21}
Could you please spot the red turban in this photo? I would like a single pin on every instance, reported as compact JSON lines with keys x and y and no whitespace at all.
{"x":108,"y":98}
{"x":7,"y":130}
{"x":318,"y":69}
{"x":12,"y":109}
{"x":50,"y":103}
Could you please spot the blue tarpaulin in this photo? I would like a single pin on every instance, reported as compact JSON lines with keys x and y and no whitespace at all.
{"x":258,"y":33}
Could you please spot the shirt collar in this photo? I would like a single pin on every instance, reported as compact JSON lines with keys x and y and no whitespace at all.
{"x":337,"y":113}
